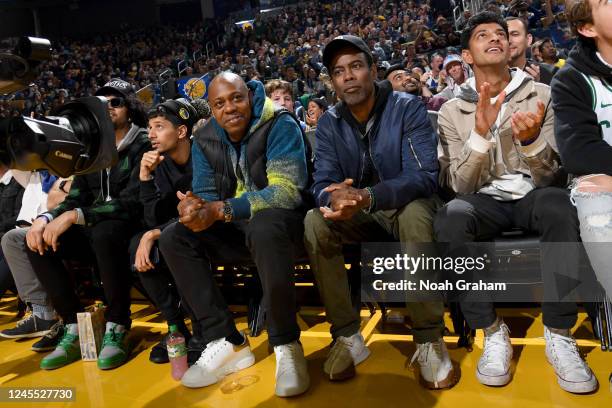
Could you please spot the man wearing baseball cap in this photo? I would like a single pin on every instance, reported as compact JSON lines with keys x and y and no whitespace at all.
{"x":164,"y":170}
{"x":95,"y":223}
{"x":117,"y":87}
{"x":375,"y":179}
{"x":410,"y":82}
{"x":456,"y":75}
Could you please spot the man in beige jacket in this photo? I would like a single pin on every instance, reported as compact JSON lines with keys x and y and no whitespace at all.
{"x":499,"y":157}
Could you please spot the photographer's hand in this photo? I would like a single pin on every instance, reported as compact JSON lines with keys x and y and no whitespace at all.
{"x":57,"y":227}
{"x":34,"y":236}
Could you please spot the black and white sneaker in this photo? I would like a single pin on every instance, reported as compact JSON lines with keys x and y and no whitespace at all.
{"x":29,"y":327}
{"x":50,"y":340}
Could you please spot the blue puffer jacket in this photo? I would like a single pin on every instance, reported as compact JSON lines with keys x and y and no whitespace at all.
{"x":403,"y":149}
{"x":286,"y":167}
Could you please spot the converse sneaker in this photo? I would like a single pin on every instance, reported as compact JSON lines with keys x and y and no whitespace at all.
{"x":67,"y":351}
{"x":51,"y":339}
{"x":494,"y":364}
{"x":344,"y":355}
{"x":28,"y":327}
{"x":573,"y":373}
{"x":114,"y":351}
{"x":219,"y":358}
{"x":291,"y":370}
{"x":435,"y":365}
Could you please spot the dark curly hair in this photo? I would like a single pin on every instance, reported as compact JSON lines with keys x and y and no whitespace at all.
{"x":484,"y":17}
{"x":136,"y":111}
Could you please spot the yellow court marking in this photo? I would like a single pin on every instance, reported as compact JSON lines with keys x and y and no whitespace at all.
{"x":371,"y":325}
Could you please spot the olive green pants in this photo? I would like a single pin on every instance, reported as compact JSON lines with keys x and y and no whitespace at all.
{"x":324,"y":239}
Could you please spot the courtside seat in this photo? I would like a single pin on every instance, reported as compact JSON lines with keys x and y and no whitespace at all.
{"x":240,"y":283}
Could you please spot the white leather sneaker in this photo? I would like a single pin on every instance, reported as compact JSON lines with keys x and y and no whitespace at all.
{"x":219,"y":358}
{"x":291,"y":370}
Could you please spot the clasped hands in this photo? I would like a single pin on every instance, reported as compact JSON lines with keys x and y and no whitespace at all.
{"x":196,"y":213}
{"x":345,"y":201}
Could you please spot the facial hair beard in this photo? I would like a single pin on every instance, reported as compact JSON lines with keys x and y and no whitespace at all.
{"x":355,"y":98}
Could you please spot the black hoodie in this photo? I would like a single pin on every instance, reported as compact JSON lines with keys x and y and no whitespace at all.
{"x":382,"y":89}
{"x":158,"y":195}
{"x":577,"y":130}
{"x":111,"y":193}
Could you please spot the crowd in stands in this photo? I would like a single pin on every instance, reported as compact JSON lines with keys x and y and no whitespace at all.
{"x":286,"y":46}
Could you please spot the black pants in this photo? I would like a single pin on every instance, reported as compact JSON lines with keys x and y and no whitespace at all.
{"x":269,"y":239}
{"x":478,"y":217}
{"x":6,"y":278}
{"x":105,"y":243}
{"x":159,"y":285}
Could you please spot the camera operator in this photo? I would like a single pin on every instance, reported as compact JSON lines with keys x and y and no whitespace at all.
{"x":96,"y":220}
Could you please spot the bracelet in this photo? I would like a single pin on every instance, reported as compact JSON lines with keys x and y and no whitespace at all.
{"x":62,"y":184}
{"x":530,"y":141}
{"x":372,"y":201}
{"x":45,"y":217}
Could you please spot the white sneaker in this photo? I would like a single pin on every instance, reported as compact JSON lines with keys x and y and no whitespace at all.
{"x":345,"y":354}
{"x":219,"y":358}
{"x":494,"y":364}
{"x":573,"y":373}
{"x":291,"y":370}
{"x":435,"y":365}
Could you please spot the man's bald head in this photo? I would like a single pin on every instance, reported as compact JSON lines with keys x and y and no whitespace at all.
{"x":230,"y":101}
{"x":230,"y":78}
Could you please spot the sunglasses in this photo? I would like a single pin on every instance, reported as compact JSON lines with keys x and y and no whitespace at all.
{"x":116,"y":102}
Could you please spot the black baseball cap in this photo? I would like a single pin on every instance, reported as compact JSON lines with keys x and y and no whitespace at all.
{"x":343,"y":41}
{"x":392,"y":68}
{"x":178,"y":111}
{"x":116,"y":86}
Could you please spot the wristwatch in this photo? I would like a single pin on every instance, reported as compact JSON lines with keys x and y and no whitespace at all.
{"x":228,"y":211}
{"x":62,"y":184}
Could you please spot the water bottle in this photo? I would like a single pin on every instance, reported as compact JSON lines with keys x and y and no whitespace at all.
{"x":177,"y":352}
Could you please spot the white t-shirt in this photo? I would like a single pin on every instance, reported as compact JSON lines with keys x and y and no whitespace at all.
{"x":34,"y":199}
{"x":601,"y":91}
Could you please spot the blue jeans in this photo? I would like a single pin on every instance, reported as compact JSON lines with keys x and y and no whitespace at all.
{"x":595,"y":215}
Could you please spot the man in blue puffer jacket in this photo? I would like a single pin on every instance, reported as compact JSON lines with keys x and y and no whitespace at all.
{"x":249,"y":173}
{"x":375,"y":179}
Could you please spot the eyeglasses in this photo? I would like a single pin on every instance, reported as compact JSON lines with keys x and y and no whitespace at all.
{"x":116,"y":102}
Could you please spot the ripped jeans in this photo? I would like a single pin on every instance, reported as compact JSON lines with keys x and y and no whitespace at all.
{"x":595,"y":215}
